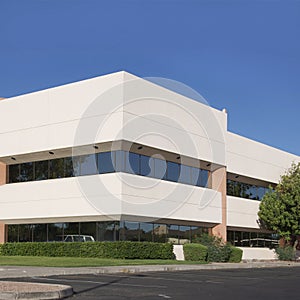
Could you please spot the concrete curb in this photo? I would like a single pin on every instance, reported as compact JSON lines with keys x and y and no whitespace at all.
{"x":21,"y":272}
{"x":30,"y":291}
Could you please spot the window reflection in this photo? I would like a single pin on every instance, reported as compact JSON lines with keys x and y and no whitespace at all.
{"x":14,"y":173}
{"x":173,"y":171}
{"x":145,"y":166}
{"x":26,"y":172}
{"x":105,"y":231}
{"x":244,"y":190}
{"x":108,"y":162}
{"x":88,"y":165}
{"x":41,"y":170}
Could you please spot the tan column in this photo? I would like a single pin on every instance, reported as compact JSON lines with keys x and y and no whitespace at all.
{"x":3,"y":173}
{"x":218,"y":183}
{"x":3,"y":233}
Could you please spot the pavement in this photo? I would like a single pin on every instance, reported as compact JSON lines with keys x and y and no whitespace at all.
{"x":14,"y":290}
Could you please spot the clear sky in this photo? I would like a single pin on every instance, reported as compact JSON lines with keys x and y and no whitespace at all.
{"x":243,"y":55}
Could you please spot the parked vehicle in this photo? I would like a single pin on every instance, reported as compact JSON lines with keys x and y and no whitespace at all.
{"x":79,"y":238}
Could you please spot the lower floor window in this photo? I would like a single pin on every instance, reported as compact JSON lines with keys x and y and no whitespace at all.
{"x":252,"y":239}
{"x":106,"y":231}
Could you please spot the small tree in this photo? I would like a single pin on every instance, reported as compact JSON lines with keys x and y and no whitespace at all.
{"x":279,"y":210}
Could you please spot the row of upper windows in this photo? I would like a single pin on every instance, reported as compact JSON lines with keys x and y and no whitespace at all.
{"x":244,"y":190}
{"x":108,"y":162}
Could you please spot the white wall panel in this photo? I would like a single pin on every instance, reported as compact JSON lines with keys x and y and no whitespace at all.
{"x":253,"y":159}
{"x":242,"y":212}
{"x":162,"y":199}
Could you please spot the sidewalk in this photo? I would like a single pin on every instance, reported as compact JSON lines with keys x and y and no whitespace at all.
{"x":15,"y":290}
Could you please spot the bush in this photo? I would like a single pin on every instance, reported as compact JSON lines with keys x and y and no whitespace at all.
{"x":195,"y":252}
{"x":235,"y":255}
{"x":217,"y":250}
{"x":129,"y":250}
{"x":285,"y":253}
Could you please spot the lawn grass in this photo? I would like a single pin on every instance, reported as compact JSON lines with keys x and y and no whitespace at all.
{"x":37,"y":261}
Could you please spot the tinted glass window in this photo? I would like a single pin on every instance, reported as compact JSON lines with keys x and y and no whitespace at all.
{"x":204,"y":178}
{"x":160,"y":168}
{"x":76,"y":165}
{"x":14,"y":173}
{"x":120,"y":161}
{"x":185,"y":174}
{"x":88,"y":165}
{"x":145,"y":165}
{"x":69,"y":171}
{"x":196,"y":178}
{"x":260,"y":192}
{"x":173,"y":171}
{"x":26,"y":172}
{"x":132,"y":163}
{"x":106,"y":162}
{"x":56,"y":168}
{"x":41,"y":170}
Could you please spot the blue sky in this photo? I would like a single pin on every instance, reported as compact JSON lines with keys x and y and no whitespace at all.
{"x":242,"y":55}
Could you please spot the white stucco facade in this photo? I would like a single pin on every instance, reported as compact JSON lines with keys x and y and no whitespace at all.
{"x":123,"y":112}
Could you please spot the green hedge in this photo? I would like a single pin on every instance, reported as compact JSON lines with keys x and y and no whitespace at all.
{"x":129,"y":250}
{"x":195,"y":252}
{"x":235,"y":255}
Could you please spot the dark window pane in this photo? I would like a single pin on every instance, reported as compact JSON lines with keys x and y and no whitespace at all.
{"x":55,"y":232}
{"x":185,"y":174}
{"x":160,"y":233}
{"x":88,"y":228}
{"x":69,"y":171}
{"x":107,"y":231}
{"x":71,"y":228}
{"x":26,"y":172}
{"x":76,"y":160}
{"x":145,"y":166}
{"x":88,"y":165}
{"x":160,"y":168}
{"x":204,"y":178}
{"x":260,"y":192}
{"x":106,"y":162}
{"x":13,"y":233}
{"x":253,"y":192}
{"x":130,"y":231}
{"x":57,"y":168}
{"x":230,"y":187}
{"x":41,"y":170}
{"x":120,"y":161}
{"x":146,"y":230}
{"x":173,"y":171}
{"x":40,"y":233}
{"x":14,"y":173}
{"x":196,"y":178}
{"x":173,"y":234}
{"x":184,"y":234}
{"x":132,"y":163}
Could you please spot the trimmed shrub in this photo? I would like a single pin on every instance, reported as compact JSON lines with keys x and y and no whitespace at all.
{"x":235,"y":255}
{"x":285,"y":253}
{"x":195,"y":252}
{"x":129,"y":250}
{"x":218,"y":253}
{"x":217,"y":250}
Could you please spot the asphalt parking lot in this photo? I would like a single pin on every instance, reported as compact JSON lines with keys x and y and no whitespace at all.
{"x":273,"y":283}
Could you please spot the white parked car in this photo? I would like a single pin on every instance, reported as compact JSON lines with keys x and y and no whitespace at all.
{"x":79,"y":238}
